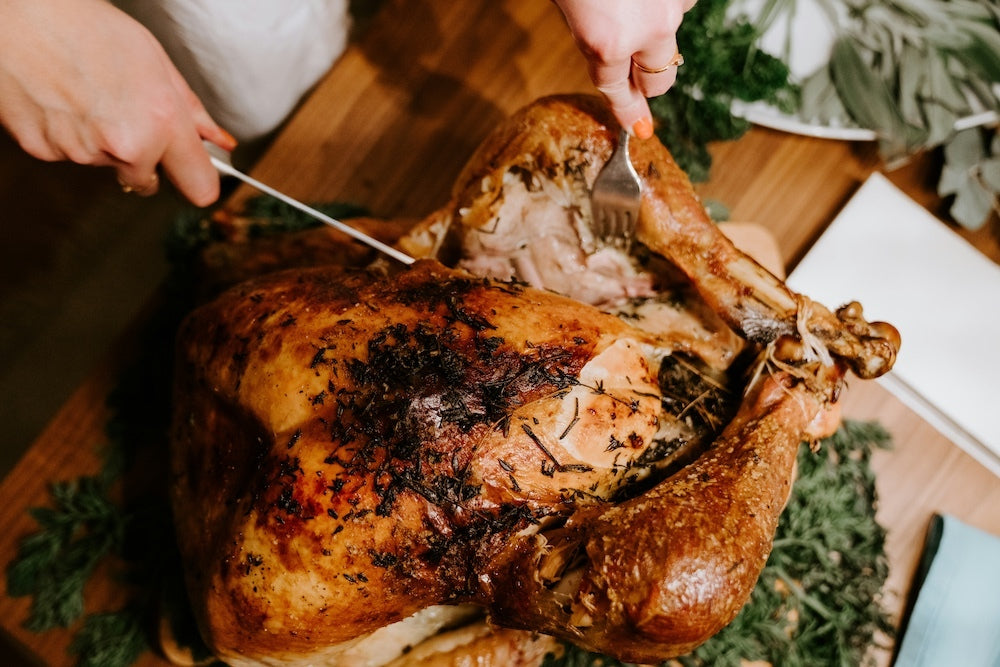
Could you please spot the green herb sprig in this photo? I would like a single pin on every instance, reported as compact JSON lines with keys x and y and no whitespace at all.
{"x":722,"y":64}
{"x":909,"y":70}
{"x":53,"y":565}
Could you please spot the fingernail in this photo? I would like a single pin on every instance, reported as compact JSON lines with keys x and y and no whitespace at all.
{"x":643,"y":128}
{"x":229,"y":139}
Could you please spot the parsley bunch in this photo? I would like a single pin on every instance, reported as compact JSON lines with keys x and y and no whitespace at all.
{"x":722,"y":64}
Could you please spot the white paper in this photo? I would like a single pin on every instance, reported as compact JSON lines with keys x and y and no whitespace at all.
{"x":907,"y":268}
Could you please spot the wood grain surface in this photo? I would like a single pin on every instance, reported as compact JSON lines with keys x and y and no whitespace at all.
{"x":391,"y":126}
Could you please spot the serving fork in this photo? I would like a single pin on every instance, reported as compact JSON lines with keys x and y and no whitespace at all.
{"x":615,"y":197}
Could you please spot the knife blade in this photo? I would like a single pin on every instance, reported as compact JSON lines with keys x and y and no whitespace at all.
{"x":220,"y":160}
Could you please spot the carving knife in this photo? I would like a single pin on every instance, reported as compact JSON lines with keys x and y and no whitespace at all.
{"x":220,"y":160}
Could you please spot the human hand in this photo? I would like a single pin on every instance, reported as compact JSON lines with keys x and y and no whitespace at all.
{"x":631,"y":51}
{"x":82,"y":81}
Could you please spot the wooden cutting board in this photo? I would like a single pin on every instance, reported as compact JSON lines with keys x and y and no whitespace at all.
{"x":390,"y":127}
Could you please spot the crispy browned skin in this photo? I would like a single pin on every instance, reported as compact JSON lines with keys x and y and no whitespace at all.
{"x":350,"y":449}
{"x":353,"y":446}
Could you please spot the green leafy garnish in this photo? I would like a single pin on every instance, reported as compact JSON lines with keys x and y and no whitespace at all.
{"x":722,"y":64}
{"x":110,"y":639}
{"x":910,"y":70}
{"x":54,"y":564}
{"x":971,"y":173}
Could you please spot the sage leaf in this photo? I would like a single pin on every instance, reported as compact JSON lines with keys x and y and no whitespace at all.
{"x":867,"y":98}
{"x":982,"y":54}
{"x":938,"y":106}
{"x":976,"y":10}
{"x":989,"y":171}
{"x":820,"y":102}
{"x":965,"y":149}
{"x":952,"y":180}
{"x":913,"y":73}
{"x":972,"y":205}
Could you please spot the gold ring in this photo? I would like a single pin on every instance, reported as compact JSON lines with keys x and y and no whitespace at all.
{"x":676,"y":61}
{"x":127,"y":189}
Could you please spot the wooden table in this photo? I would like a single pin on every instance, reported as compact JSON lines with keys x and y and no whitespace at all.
{"x":390,"y":127}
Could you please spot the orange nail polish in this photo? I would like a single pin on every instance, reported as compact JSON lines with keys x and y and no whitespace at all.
{"x":230,"y":140}
{"x":643,"y":128}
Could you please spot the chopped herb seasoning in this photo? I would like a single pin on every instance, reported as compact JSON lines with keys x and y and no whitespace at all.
{"x":538,"y":443}
{"x":383,"y":559}
{"x":513,"y":484}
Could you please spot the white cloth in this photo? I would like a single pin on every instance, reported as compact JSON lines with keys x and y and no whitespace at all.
{"x":249,"y":61}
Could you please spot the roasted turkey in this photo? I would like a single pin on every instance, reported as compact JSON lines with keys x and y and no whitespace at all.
{"x":523,"y":425}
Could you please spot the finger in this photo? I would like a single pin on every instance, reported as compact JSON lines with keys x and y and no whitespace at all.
{"x":184,"y":160}
{"x":627,"y":103}
{"x":654,"y":70}
{"x":134,"y":161}
{"x":204,"y":124}
{"x":630,"y":109}
{"x":653,"y":84}
{"x":186,"y":163}
{"x":144,"y":188}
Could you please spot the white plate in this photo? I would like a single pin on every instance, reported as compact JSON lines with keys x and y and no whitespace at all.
{"x":765,"y":115}
{"x":805,"y":41}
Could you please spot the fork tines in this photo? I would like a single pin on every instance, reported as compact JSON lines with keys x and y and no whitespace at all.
{"x":615,"y":198}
